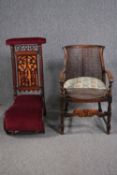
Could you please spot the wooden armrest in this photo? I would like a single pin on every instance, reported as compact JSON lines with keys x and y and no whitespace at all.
{"x":62,"y":76}
{"x":109,"y":75}
{"x":61,"y":81}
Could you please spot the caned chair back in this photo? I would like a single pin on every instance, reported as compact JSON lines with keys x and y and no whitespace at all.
{"x":84,"y":60}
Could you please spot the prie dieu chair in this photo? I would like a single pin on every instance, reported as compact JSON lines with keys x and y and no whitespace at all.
{"x":26,"y":114}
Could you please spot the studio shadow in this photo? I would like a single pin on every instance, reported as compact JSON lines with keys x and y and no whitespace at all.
{"x":53,"y":68}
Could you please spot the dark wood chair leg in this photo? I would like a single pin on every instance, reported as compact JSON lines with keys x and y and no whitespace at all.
{"x":109,"y":118}
{"x":62,"y":105}
{"x":66,"y":106}
{"x":99,"y":107}
{"x":44,"y":109}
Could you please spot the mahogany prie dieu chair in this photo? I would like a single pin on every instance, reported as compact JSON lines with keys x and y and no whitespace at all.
{"x":26,"y":114}
{"x":85,"y":79}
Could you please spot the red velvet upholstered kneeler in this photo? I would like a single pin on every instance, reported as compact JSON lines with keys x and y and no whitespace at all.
{"x":27,"y":111}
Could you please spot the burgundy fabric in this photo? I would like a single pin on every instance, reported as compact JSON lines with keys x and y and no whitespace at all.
{"x":26,"y":114}
{"x":29,"y":100}
{"x":33,"y":40}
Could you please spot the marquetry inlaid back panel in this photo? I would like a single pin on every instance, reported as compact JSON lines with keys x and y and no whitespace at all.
{"x":27,"y":59}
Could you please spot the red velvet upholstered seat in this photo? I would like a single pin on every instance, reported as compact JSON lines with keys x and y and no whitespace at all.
{"x":25,"y":114}
{"x":27,"y":111}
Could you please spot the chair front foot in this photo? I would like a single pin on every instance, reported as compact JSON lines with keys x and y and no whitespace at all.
{"x":108,"y":127}
{"x":109,"y":117}
{"x":108,"y":130}
{"x":61,"y":129}
{"x":11,"y":132}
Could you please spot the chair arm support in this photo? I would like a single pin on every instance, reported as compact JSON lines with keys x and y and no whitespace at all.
{"x":61,"y":81}
{"x":62,"y":77}
{"x":109,"y":75}
{"x":110,"y":78}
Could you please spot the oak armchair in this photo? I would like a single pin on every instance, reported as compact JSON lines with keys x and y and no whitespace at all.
{"x":84,"y":79}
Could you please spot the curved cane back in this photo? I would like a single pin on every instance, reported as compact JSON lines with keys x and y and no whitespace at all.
{"x":84,"y":60}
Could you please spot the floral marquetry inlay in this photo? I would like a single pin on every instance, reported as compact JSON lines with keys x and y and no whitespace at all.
{"x":27,"y":68}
